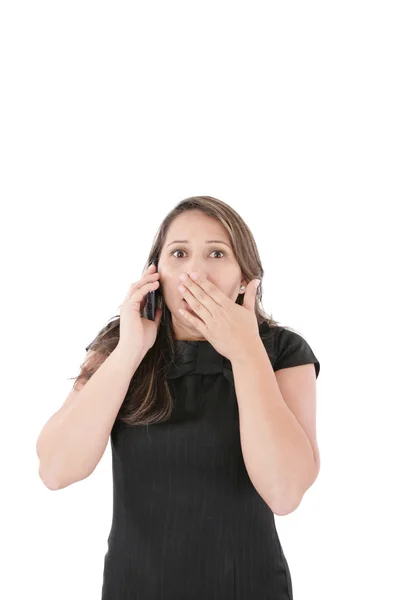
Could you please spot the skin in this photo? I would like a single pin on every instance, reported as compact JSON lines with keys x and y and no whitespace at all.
{"x":214,"y":261}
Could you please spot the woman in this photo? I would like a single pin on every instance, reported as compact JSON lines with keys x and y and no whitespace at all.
{"x":230,"y":397}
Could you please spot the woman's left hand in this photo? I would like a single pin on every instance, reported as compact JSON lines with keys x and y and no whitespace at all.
{"x":228,"y":326}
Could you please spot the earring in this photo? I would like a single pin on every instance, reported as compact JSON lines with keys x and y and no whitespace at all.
{"x":242,"y":288}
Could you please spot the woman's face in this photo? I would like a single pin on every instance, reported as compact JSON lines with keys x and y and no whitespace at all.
{"x":214,"y":261}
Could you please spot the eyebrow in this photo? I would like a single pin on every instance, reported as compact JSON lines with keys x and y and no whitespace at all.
{"x":207,"y":242}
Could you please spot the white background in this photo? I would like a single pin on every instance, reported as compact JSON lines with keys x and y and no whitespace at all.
{"x":111,"y":113}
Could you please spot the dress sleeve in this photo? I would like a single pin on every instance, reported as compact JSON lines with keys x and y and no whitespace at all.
{"x":292,"y":350}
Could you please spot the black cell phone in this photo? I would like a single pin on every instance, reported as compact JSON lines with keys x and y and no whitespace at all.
{"x":152,"y":299}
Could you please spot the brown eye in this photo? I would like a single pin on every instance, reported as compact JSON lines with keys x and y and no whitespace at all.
{"x":179,"y":250}
{"x":173,"y":252}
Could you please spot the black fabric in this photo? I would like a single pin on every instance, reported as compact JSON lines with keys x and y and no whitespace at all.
{"x":291,"y":350}
{"x":188,"y":523}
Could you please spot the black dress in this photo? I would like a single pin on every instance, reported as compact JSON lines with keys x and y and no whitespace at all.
{"x":188,"y":523}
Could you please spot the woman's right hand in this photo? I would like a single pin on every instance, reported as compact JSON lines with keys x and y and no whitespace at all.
{"x":137,"y":334}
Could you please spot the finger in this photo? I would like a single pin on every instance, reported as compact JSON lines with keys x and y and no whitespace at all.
{"x":158,"y":316}
{"x":206,"y":292}
{"x":143,"y":287}
{"x":198,"y":323}
{"x":141,"y":291}
{"x":197,"y":304}
{"x":138,"y":284}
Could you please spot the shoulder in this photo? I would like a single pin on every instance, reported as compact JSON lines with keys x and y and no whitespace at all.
{"x":286,"y":347}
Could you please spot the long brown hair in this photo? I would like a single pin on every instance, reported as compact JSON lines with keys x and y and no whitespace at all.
{"x":148,"y":399}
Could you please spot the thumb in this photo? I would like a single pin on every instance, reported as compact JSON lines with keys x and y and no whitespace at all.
{"x":249,"y":299}
{"x":157,"y":316}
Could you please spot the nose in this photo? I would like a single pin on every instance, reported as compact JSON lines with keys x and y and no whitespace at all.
{"x":191,"y":268}
{"x":188,"y":270}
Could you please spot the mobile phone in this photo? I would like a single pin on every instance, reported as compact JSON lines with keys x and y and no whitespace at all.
{"x":152,"y":299}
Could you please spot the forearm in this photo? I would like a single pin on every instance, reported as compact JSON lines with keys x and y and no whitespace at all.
{"x":74,"y":439}
{"x":276,"y":451}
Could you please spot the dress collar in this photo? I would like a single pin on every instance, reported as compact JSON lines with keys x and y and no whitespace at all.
{"x":200,"y":357}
